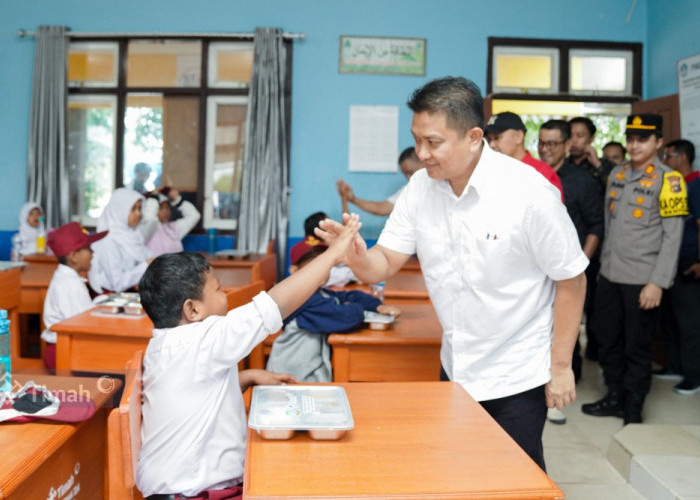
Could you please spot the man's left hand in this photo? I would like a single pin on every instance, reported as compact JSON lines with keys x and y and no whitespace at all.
{"x":560,"y":391}
{"x":592,"y":156}
{"x":650,"y":296}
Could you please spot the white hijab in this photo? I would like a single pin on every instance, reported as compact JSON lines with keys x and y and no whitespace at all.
{"x":27,"y":232}
{"x":115,"y":219}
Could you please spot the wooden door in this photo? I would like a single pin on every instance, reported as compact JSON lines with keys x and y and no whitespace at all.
{"x":670,"y":111}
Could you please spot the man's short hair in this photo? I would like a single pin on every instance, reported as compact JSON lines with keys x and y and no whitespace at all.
{"x":458,"y":98}
{"x":683,"y":147}
{"x":168,"y":282}
{"x":616,"y":144}
{"x":587,"y":122}
{"x":408,"y":154}
{"x":562,"y":126}
{"x":312,"y":221}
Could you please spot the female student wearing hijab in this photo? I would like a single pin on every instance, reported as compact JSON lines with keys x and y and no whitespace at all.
{"x":122,"y":256}
{"x":163,"y":235}
{"x":29,"y":226}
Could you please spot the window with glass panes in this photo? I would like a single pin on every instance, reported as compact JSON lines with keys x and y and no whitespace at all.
{"x":176,"y":105}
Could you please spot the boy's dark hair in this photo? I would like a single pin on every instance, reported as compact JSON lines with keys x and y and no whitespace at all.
{"x":460,"y":99}
{"x":407,"y":154}
{"x":612,"y":144}
{"x":312,"y":221}
{"x":562,"y":126}
{"x":683,"y":147}
{"x":311,"y":254}
{"x":63,"y":259}
{"x":587,"y":122}
{"x":168,"y":282}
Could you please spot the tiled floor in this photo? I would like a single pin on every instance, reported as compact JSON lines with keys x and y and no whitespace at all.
{"x":577,"y":452}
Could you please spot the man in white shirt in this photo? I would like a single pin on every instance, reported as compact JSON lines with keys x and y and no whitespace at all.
{"x":501,"y":261}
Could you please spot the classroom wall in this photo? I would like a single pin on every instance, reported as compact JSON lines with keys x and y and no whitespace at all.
{"x":456,"y":33}
{"x":672,"y":35}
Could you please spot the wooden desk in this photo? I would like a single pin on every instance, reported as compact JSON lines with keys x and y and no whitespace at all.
{"x":411,"y":264}
{"x":249,"y":261}
{"x":44,"y":455}
{"x":408,"y":351}
{"x":402,"y":288}
{"x":10,"y":299}
{"x":98,"y":343}
{"x":233,"y":277}
{"x":411,"y":440}
{"x":35,"y":278}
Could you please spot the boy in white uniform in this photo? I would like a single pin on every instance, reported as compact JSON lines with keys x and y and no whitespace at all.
{"x":194,"y":422}
{"x":68,"y":293}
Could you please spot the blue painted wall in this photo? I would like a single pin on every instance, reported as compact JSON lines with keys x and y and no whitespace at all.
{"x":456,"y":33}
{"x":673,"y":34}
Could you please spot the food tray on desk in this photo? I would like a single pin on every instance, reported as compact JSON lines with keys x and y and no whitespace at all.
{"x":278,"y":411}
{"x":378,"y":321}
{"x":124,"y":302}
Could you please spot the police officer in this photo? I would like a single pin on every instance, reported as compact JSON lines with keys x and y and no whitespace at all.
{"x":645,"y":202}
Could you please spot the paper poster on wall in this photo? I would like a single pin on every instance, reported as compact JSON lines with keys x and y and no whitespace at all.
{"x":689,"y":98}
{"x":374,"y":138}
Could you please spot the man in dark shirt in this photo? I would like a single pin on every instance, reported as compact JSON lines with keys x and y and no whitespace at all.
{"x":583,"y":154}
{"x":583,"y":200}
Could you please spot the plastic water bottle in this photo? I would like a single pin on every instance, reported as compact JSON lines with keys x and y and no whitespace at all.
{"x":16,"y":252}
{"x":211,"y":240}
{"x":41,"y":237}
{"x":5,"y":377}
{"x":378,"y":290}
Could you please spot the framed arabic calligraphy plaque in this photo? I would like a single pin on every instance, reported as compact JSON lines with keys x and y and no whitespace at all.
{"x":382,"y":55}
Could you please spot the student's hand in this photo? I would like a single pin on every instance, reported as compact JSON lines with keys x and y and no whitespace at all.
{"x":560,"y":391}
{"x":650,"y":296}
{"x":388,"y":309}
{"x":330,"y":230}
{"x":264,"y":377}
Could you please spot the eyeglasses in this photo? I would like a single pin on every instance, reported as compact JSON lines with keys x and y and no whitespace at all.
{"x":666,"y":156}
{"x":549,"y":144}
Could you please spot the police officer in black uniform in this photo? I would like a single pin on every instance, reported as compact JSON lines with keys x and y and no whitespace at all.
{"x":645,"y":202}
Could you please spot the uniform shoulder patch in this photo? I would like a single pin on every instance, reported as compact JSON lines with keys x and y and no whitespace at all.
{"x":673,"y":198}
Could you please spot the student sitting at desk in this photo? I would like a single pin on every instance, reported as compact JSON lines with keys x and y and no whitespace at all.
{"x":67,"y":294}
{"x":160,"y":233}
{"x":194,"y":421}
{"x":303,"y":348}
{"x":29,"y":216}
{"x":122,"y":257}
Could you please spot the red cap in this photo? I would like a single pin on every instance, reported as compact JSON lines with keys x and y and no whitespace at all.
{"x":70,"y":237}
{"x":304,"y":247}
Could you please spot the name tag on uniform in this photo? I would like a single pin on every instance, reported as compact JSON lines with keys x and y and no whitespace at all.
{"x":673,"y":198}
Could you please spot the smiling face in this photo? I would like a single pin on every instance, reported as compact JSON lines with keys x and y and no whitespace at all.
{"x":643,"y":150}
{"x":446,"y":153}
{"x":134,"y":214}
{"x":551,"y":148}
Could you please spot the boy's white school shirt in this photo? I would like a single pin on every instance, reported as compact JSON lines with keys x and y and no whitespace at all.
{"x":194,"y":421}
{"x":67,"y":296}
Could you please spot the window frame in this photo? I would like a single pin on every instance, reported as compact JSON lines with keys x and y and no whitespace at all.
{"x":564,"y":47}
{"x":203,"y":92}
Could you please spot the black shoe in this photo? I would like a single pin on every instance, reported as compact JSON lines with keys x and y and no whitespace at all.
{"x":686,"y":387}
{"x":610,"y":406}
{"x":633,"y":407}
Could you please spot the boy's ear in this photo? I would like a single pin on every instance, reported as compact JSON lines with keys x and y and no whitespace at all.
{"x":70,"y":258}
{"x":191,"y":311}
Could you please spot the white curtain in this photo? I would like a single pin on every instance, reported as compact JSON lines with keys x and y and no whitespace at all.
{"x":264,"y":210}
{"x":47,"y":177}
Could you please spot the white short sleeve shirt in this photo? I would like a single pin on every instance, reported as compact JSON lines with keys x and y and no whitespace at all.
{"x":194,"y":422}
{"x":490,"y":258}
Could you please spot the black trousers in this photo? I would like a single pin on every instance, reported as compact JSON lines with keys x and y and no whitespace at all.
{"x":624,"y":333}
{"x":684,"y":299}
{"x":522,"y":416}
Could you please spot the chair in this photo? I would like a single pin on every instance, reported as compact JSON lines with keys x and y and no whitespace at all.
{"x":271,"y":247}
{"x":266,"y":270}
{"x":241,"y":296}
{"x":124,"y":435}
